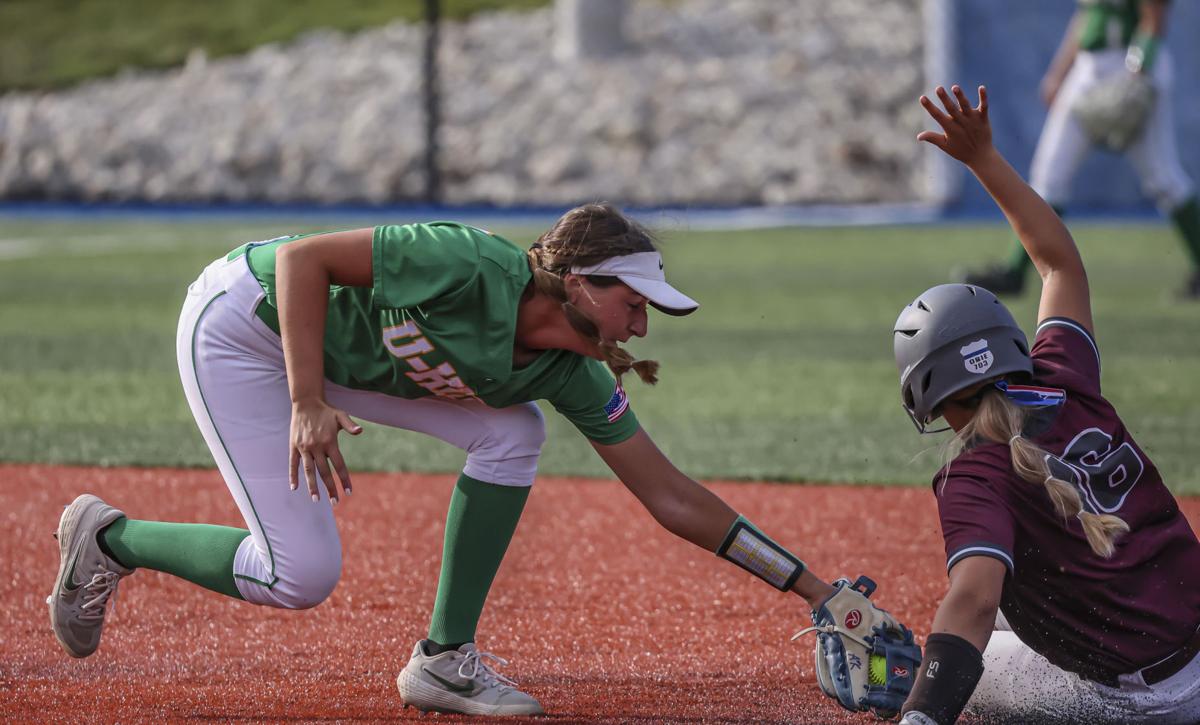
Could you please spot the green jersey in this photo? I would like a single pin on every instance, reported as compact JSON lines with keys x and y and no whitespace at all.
{"x":1108,"y":23}
{"x":440,"y":319}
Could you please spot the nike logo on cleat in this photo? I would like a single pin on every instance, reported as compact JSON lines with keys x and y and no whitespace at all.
{"x":448,"y":684}
{"x":69,"y":583}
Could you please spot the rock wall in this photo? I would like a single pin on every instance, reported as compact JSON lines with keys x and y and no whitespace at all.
{"x":716,"y":102}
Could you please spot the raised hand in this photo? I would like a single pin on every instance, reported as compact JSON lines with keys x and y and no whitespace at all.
{"x":968,"y":134}
{"x":968,"y":138}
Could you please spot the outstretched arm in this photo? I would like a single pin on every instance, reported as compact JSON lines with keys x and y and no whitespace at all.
{"x":967,"y":137}
{"x":851,"y":628}
{"x":683,"y":506}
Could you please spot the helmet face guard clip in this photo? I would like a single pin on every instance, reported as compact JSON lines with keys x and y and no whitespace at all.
{"x":921,"y":424}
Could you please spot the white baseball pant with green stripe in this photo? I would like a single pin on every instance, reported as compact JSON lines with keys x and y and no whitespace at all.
{"x":232,"y":368}
{"x":1063,"y":145}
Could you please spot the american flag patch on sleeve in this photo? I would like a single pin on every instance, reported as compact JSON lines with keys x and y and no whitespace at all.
{"x":617,"y":404}
{"x":1033,"y":396}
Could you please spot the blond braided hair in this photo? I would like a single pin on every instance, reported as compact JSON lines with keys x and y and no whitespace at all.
{"x":999,"y":420}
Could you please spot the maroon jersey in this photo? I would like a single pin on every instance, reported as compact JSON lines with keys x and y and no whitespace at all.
{"x":1093,"y":616}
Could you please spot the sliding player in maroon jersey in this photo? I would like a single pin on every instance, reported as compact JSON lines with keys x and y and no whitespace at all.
{"x":1050,"y":511}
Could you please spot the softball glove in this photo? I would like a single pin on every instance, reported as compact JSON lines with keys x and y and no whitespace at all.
{"x":850,"y":631}
{"x":1114,"y":112}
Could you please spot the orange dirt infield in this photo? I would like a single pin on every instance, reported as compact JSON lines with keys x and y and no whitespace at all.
{"x":605,"y":616}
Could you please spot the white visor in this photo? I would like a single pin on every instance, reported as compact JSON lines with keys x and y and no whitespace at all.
{"x":643,"y":272}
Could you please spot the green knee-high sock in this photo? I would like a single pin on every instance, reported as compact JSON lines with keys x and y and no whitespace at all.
{"x":481,"y":522}
{"x":1018,"y":259}
{"x":201,"y":553}
{"x":1186,"y":217}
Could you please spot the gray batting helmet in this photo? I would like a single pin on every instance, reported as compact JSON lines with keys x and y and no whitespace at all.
{"x":951,"y":337}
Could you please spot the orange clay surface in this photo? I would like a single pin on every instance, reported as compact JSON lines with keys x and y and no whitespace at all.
{"x":604,"y":616}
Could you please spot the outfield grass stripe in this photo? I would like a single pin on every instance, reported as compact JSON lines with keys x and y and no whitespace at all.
{"x":17,"y":248}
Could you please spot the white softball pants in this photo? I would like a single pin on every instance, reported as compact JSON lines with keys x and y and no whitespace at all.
{"x":233,"y":374}
{"x":1063,"y":146}
{"x":1020,"y":684}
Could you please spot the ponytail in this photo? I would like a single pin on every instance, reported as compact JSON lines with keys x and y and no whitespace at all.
{"x":999,"y":420}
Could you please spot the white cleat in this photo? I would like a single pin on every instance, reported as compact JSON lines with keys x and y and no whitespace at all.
{"x":87,"y":578}
{"x":460,"y":681}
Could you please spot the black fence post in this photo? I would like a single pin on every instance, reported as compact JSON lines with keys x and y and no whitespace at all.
{"x":433,"y":118}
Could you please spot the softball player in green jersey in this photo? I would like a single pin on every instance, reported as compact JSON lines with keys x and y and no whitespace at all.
{"x":443,"y":329}
{"x":1106,"y":38}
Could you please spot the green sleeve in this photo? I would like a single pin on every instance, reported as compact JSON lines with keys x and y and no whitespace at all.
{"x":416,"y":263}
{"x":596,"y":404}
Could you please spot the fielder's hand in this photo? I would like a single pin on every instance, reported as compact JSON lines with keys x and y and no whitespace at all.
{"x":850,"y":630}
{"x":314,"y":434}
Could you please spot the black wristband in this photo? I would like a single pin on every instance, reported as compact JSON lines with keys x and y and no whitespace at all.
{"x":947,"y":677}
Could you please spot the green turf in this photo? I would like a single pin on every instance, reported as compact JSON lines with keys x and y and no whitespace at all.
{"x":50,"y":43}
{"x":785,"y":373}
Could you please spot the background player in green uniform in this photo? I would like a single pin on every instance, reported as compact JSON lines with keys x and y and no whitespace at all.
{"x":1107,"y":38}
{"x":439,"y":328}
